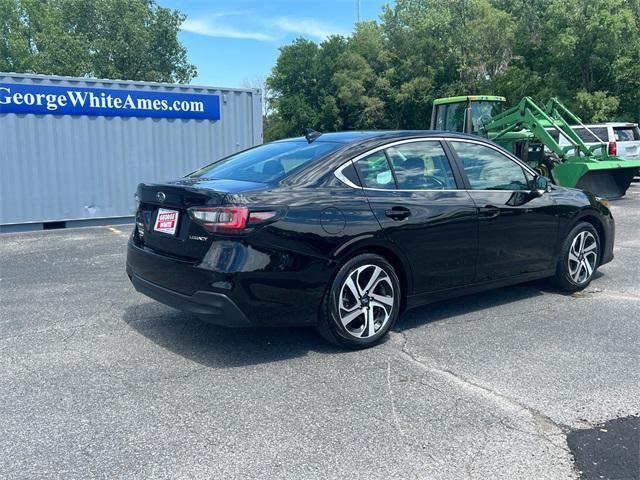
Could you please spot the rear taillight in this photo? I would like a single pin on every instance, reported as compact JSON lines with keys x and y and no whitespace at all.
{"x":228,"y":219}
{"x":140,"y":228}
{"x":221,"y":219}
{"x":613,"y":148}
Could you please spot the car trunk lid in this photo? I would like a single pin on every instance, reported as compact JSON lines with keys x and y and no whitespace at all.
{"x":163,"y":220}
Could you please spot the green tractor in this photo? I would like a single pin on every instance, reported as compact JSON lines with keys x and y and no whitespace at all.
{"x":531,"y":132}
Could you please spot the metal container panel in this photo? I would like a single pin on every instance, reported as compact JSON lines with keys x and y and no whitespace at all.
{"x":59,"y":168}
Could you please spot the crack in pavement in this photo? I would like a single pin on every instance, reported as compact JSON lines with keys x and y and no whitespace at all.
{"x":538,"y":417}
{"x":536,"y":434}
{"x":550,"y":430}
{"x":457,"y":378}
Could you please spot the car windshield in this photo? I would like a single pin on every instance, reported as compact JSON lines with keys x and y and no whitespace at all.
{"x":483,"y":111}
{"x":266,"y":163}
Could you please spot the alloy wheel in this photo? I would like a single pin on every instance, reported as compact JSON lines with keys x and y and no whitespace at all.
{"x":366,"y":301}
{"x":583,"y":256}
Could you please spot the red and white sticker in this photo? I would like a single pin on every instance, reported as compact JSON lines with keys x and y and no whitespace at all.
{"x":166,"y":221}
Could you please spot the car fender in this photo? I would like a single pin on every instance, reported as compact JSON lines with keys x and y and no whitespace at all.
{"x":379,"y":244}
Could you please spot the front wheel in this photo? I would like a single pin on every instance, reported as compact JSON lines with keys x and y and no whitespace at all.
{"x":579,"y":259}
{"x":361,"y":304}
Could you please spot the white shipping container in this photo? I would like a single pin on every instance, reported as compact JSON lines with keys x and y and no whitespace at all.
{"x":82,"y":169}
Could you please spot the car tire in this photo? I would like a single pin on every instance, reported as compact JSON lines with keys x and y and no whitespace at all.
{"x":361,"y":304}
{"x":579,"y":258}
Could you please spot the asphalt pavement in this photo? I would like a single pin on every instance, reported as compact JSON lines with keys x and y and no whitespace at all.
{"x":99,"y":381}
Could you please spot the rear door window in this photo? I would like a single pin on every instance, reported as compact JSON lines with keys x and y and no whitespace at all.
{"x":375,"y":171}
{"x":421,"y":166}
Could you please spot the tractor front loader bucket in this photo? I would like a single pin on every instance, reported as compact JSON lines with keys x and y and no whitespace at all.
{"x":605,"y":178}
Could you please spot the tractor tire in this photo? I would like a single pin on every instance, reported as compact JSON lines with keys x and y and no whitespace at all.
{"x":546,"y":166}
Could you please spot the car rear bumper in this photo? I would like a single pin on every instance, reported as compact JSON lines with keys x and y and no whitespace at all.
{"x":252,"y":295}
{"x":215,"y":308}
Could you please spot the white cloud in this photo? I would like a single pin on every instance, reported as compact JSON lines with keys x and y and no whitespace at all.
{"x":263,"y":29}
{"x":210,"y":29}
{"x":306,"y":26}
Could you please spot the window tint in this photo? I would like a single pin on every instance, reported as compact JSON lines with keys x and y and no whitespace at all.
{"x":375,"y":171}
{"x":421,"y":166}
{"x":266,"y":163}
{"x":587,"y":137}
{"x":489,"y":169}
{"x":626,"y":134}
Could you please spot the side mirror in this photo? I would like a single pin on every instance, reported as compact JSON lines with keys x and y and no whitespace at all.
{"x":541,"y":184}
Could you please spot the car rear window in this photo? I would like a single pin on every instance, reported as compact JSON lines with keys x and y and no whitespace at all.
{"x":267,"y":163}
{"x":626,"y":134}
{"x":587,"y":137}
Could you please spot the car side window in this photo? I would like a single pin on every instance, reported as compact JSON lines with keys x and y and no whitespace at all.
{"x":421,"y":166}
{"x":375,"y":171}
{"x":488,"y":169}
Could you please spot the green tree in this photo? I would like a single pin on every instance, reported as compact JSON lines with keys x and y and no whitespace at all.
{"x":387,"y":73}
{"x":119,"y":39}
{"x":294,"y":81}
{"x":583,"y":51}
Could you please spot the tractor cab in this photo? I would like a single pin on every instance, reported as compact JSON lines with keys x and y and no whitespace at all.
{"x":465,"y":114}
{"x":529,"y":130}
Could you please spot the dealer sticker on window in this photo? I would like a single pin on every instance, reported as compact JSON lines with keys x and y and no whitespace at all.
{"x":166,"y":221}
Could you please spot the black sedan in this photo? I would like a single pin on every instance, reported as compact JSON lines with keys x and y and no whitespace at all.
{"x":344,"y":231}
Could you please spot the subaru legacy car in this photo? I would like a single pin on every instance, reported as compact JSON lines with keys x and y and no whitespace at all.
{"x":345,"y":231}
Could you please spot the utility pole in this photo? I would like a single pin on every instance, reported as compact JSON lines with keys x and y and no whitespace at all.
{"x":358,"y":21}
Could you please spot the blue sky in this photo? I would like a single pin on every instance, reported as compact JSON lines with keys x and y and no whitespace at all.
{"x":235,"y":43}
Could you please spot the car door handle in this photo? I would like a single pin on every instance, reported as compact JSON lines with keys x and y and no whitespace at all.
{"x":489,"y":212}
{"x":397,"y":213}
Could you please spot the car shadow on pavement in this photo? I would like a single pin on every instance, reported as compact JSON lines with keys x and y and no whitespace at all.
{"x":474,"y":303}
{"x":221,"y":347}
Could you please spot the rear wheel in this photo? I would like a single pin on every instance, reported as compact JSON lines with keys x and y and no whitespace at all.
{"x":579,"y":259}
{"x":361,"y":304}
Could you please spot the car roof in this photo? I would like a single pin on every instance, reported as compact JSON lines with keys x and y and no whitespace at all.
{"x":357,"y":136}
